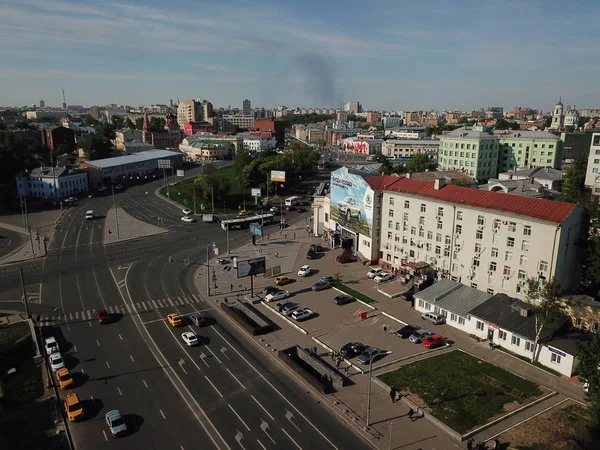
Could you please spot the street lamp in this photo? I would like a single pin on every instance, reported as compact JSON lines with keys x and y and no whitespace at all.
{"x":369,"y":391}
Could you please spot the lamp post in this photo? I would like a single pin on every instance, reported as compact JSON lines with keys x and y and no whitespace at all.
{"x":115,"y":208}
{"x":369,"y":391}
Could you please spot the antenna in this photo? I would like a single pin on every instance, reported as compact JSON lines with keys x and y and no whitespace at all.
{"x":64,"y":105}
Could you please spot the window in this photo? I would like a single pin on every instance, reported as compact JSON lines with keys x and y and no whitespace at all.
{"x":507,"y":271}
{"x":525,"y":246}
{"x":555,"y":358}
{"x":440,"y":225}
{"x":508,"y":256}
{"x":476,"y":262}
{"x":458,"y":229}
{"x":421,"y":232}
{"x":461,"y":320}
{"x":447,"y":240}
{"x":459,"y":215}
{"x":493,"y":266}
{"x":391,"y":201}
{"x":423,"y":207}
{"x":421,"y":303}
{"x":440,"y":212}
{"x":428,"y":247}
{"x":512,"y":227}
{"x":494,"y":252}
{"x":406,"y":204}
{"x":479,"y":234}
{"x":528,"y":346}
{"x":421,"y":220}
{"x":515,"y":341}
{"x":480,"y":325}
{"x":447,"y":253}
{"x":438,"y":237}
{"x":477,"y":248}
{"x":510,"y":242}
{"x":523,"y":261}
{"x":430,"y":235}
{"x":502,"y":335}
{"x":495,"y":238}
{"x":480,"y":220}
{"x":490,"y":291}
{"x":438,"y":250}
{"x":405,"y":216}
{"x":390,"y":224}
{"x":543,"y":266}
{"x":397,"y":226}
{"x":391,"y":213}
{"x":453,"y":317}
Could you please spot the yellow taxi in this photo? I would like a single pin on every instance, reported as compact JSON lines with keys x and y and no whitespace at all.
{"x":175,"y":320}
{"x":280,"y":281}
{"x":64,"y":378}
{"x":73,"y":408}
{"x":243,"y":212}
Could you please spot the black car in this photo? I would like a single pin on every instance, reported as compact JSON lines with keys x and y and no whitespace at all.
{"x":283,"y":304}
{"x":406,"y":331}
{"x":351,"y":349}
{"x":343,"y":299}
{"x":311,"y":254}
{"x":199,"y":320}
{"x":271,"y":290}
{"x":316,"y":248}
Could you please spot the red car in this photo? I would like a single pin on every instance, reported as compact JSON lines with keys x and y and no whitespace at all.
{"x":434,"y":341}
{"x":345,"y":258}
{"x":102,"y":315}
{"x":290,"y":208}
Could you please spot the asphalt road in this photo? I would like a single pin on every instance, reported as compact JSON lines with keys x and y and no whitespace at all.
{"x":10,"y":241}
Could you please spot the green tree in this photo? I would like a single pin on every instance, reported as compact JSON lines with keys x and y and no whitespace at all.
{"x":355,"y":118}
{"x":573,"y":181}
{"x":96,"y":146}
{"x":387,"y":168}
{"x":547,"y":122}
{"x":546,"y":304}
{"x":420,"y":163}
{"x":305,"y":119}
{"x":209,"y":183}
{"x":139,"y":123}
{"x":129,"y":124}
{"x":117,"y":121}
{"x":582,"y":121}
{"x":157,"y":124}
{"x":503,"y":124}
{"x":589,"y":371}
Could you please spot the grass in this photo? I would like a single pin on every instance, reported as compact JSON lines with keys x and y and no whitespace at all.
{"x":528,"y":360}
{"x":17,"y":350}
{"x":357,"y":295}
{"x":461,"y":390}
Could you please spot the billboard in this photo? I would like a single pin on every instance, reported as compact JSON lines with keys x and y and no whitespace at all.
{"x":352,"y":201}
{"x":278,"y":175}
{"x":254,"y":266}
{"x":255,"y":192}
{"x":256,"y":229}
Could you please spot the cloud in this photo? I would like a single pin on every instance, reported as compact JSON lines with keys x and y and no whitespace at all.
{"x":319,"y":78}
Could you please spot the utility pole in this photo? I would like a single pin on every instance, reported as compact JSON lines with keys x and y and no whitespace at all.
{"x":115,"y":208}
{"x":369,"y":393}
{"x":207,"y":273}
{"x":24,"y":292}
{"x":212,"y":194}
{"x":194,"y":192}
{"x":228,"y":249}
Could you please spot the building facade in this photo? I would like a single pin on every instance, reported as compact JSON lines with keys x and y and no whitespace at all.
{"x":125,"y":135}
{"x":229,"y":122}
{"x":373,"y":117}
{"x":189,"y":111}
{"x":59,"y":137}
{"x":256,"y":144}
{"x":405,"y":149}
{"x":192,"y":128}
{"x":246,"y":108}
{"x":341,"y":116}
{"x":592,"y":173}
{"x":52,"y":183}
{"x":362,"y":146}
{"x":406,"y":133}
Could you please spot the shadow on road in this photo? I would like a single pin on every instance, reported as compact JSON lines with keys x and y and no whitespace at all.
{"x":91,"y":408}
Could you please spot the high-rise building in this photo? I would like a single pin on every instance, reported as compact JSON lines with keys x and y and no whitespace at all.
{"x":189,"y":111}
{"x":348,"y":107}
{"x":356,"y":108}
{"x":373,"y":117}
{"x":342,"y":116}
{"x":95,"y":112}
{"x":42,"y":103}
{"x":207,"y":110}
{"x":246,"y":108}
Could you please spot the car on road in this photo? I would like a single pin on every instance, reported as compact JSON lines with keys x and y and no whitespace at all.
{"x":346,"y":257}
{"x":288,"y":309}
{"x":290,"y":208}
{"x":64,"y":378}
{"x":316,"y":248}
{"x":349,"y":208}
{"x":101,"y":189}
{"x":283,"y":304}
{"x":175,"y":320}
{"x":302,"y":314}
{"x":56,"y":361}
{"x":70,"y":200}
{"x":115,"y":423}
{"x":187,"y":219}
{"x":370,"y":354}
{"x":102,"y":315}
{"x":281,"y":281}
{"x":304,"y":271}
{"x":383,"y":276}
{"x":311,"y":254}
{"x":73,"y":407}
{"x":406,"y":331}
{"x":352,"y":349}
{"x":328,"y":278}
{"x":119,"y":186}
{"x":433,"y":341}
{"x":244,"y":212}
{"x":321,"y":285}
{"x":279,"y":295}
{"x":274,"y":209}
{"x":224,"y":261}
{"x":343,"y":299}
{"x":189,"y":338}
{"x":51,"y":345}
{"x":374,"y":272}
{"x":198,"y":319}
{"x":187,"y":212}
{"x":419,"y":335}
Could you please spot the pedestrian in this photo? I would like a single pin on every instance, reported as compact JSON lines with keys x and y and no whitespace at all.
{"x":410,"y":414}
{"x":231,"y":287}
{"x":277,"y":255}
{"x":491,"y":345}
{"x":294,"y":235}
{"x":393,"y":392}
{"x":470,"y":444}
{"x":496,"y":444}
{"x":315,"y":351}
{"x":337,"y":363}
{"x":346,"y":370}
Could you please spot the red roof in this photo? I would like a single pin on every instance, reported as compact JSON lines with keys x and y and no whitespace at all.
{"x":537,"y":208}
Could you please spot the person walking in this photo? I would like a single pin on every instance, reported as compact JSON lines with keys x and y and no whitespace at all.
{"x":496,"y":444}
{"x":411,"y":414}
{"x":294,"y":235}
{"x":470,"y":444}
{"x":393,"y":392}
{"x":337,"y":363}
{"x":231,"y":287}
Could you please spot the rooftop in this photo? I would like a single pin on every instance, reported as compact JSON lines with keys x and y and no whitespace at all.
{"x":453,"y":296}
{"x":524,"y":134}
{"x":414,"y":142}
{"x":542,"y":173}
{"x":448,"y":175}
{"x":536,"y":208}
{"x":52,"y":172}
{"x":147,"y":155}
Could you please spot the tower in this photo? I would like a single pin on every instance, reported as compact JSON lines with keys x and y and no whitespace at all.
{"x":146,"y":134}
{"x":64,"y":105}
{"x":558,"y":117}
{"x":246,"y":107}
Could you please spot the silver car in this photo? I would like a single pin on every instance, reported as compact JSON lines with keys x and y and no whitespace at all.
{"x":418,"y":336}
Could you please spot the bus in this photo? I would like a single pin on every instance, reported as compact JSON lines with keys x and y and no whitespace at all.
{"x":244,"y":222}
{"x":292,"y":201}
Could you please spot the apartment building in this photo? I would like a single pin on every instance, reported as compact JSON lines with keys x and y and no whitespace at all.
{"x":405,"y":149}
{"x":486,"y":240}
{"x":189,"y":111}
{"x":228,"y":122}
{"x":592,"y":173}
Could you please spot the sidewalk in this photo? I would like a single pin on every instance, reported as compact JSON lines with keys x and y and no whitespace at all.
{"x":129,"y":227}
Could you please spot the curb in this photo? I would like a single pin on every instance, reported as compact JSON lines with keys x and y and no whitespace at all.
{"x":393,"y":318}
{"x":366,"y":304}
{"x":347,"y":361}
{"x":297,"y":327}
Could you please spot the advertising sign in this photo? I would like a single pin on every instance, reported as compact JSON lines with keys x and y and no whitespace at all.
{"x":255,"y":229}
{"x":255,"y":192}
{"x":254,"y":266}
{"x":180,"y":173}
{"x":352,"y":201}
{"x":278,"y":175}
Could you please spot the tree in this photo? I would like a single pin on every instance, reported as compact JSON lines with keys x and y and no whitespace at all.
{"x":573,"y":181}
{"x":582,"y":121}
{"x":387,"y":168}
{"x":589,"y":371}
{"x":96,"y":146}
{"x":117,"y":121}
{"x":569,"y":128}
{"x":157,"y":124}
{"x":139,"y":123}
{"x":420,"y":163}
{"x":129,"y":124}
{"x":546,"y":304}
{"x":547,"y":122}
{"x":503,"y":124}
{"x":209,"y":183}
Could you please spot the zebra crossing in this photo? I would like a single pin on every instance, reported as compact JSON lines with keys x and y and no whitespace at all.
{"x":126,"y":309}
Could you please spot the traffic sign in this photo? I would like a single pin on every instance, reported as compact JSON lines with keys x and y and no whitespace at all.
{"x":214,"y":244}
{"x":240,"y":286}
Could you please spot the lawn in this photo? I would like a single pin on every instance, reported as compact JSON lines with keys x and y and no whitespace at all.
{"x":461,"y":390}
{"x":17,"y":350}
{"x":354,"y":293}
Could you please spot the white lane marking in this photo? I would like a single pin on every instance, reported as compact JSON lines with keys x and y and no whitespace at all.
{"x":132,"y":360}
{"x":160,"y":303}
{"x":238,"y":416}
{"x":195,"y":299}
{"x":71,"y":316}
{"x":275,"y":389}
{"x":145,"y":384}
{"x":162,"y":413}
{"x":107,"y":365}
{"x":120,"y":337}
{"x":144,"y":305}
{"x":213,"y":354}
{"x":290,"y":438}
{"x":127,"y":307}
{"x":214,"y":387}
{"x":77,"y":315}
{"x":89,"y":314}
{"x":75,"y":349}
{"x":170,"y":301}
{"x":98,"y":342}
{"x":82,"y":371}
{"x":119,"y":389}
{"x":182,"y":368}
{"x":91,"y":397}
{"x":260,"y":443}
{"x":179,"y":302}
{"x":262,"y":407}
{"x":105,"y":436}
{"x":154,"y":304}
{"x":111,"y":310}
{"x":236,"y":379}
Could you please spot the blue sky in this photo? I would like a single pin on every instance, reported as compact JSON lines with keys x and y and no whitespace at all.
{"x":388,"y":54}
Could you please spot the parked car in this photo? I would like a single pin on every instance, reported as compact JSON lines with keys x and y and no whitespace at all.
{"x":119,"y":186}
{"x":199,"y":320}
{"x":406,"y":331}
{"x":189,"y":338}
{"x":433,"y":341}
{"x":302,"y":314}
{"x":73,"y":407}
{"x":224,"y":261}
{"x":279,"y":295}
{"x":187,"y":212}
{"x":288,"y":309}
{"x":419,"y":335}
{"x":304,"y":271}
{"x":316,"y":248}
{"x":188,"y":219}
{"x":175,"y":320}
{"x":115,"y":423}
{"x":281,"y":281}
{"x":352,"y":349}
{"x":102,"y":315}
{"x":51,"y":345}
{"x":383,"y":276}
{"x":328,"y":278}
{"x":321,"y":285}
{"x":271,"y":289}
{"x":243,"y":212}
{"x":56,"y":361}
{"x":343,"y":299}
{"x":436,"y":319}
{"x":274,"y":209}
{"x":346,"y":257}
{"x":64,"y":378}
{"x":374,"y":272}
{"x":311,"y":254}
{"x":283,"y":304}
{"x":370,"y":354}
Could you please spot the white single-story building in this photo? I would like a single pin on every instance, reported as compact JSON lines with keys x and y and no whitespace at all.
{"x":52,"y":182}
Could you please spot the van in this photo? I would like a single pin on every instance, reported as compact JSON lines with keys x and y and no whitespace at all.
{"x":89,"y":214}
{"x":436,"y":319}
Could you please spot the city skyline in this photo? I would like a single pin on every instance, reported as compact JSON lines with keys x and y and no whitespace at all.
{"x":390,"y":56}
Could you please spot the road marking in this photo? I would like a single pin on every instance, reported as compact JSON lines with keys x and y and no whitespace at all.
{"x":132,"y":360}
{"x":89,"y":314}
{"x":260,"y":443}
{"x":195,"y":299}
{"x":154,"y":304}
{"x":120,"y":337}
{"x":184,"y":371}
{"x":295,"y":443}
{"x":127,"y":308}
{"x":160,"y":303}
{"x":98,"y":342}
{"x":82,"y":371}
{"x":144,"y":305}
{"x":170,"y":301}
{"x":238,"y":416}
{"x":71,"y":316}
{"x":111,"y":310}
{"x":77,"y":316}
{"x":262,"y":407}
{"x":105,"y":436}
{"x":145,"y":384}
{"x":162,"y":413}
{"x":107,"y":364}
{"x":214,"y":354}
{"x":235,"y":378}
{"x":214,"y":387}
{"x":119,"y":389}
{"x":179,"y":302}
{"x":91,"y":397}
{"x":75,"y":349}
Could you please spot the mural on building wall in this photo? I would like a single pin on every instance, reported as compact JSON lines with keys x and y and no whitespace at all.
{"x":351,"y":201}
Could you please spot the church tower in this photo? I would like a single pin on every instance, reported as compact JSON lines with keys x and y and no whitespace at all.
{"x":146,"y":134}
{"x":558,"y":118}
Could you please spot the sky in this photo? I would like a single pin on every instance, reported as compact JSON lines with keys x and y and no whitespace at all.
{"x":387,"y":54}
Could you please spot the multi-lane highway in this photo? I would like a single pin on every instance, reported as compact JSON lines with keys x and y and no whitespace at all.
{"x":224,"y":393}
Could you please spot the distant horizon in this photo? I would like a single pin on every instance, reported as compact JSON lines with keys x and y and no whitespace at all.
{"x":388,"y":55}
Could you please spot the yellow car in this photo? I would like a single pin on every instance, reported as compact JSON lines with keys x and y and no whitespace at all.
{"x":73,"y":408}
{"x":64,"y":378}
{"x":280,"y":281}
{"x":175,"y":320}
{"x":243,"y":212}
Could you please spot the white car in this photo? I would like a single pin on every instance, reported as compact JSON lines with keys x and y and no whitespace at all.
{"x":302,"y":314}
{"x":187,"y":212}
{"x":274,"y":209}
{"x":274,"y":296}
{"x":374,"y":272}
{"x":189,"y":338}
{"x":304,"y":271}
{"x":56,"y":361}
{"x":187,"y":219}
{"x":383,"y":276}
{"x":51,"y":346}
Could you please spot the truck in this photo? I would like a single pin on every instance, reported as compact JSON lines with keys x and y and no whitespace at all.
{"x":208,"y":218}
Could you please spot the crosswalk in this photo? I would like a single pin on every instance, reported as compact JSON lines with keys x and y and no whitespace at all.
{"x":126,"y":309}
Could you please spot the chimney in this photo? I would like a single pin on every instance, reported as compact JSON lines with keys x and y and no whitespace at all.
{"x":439,"y":183}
